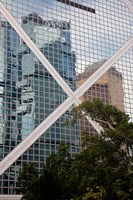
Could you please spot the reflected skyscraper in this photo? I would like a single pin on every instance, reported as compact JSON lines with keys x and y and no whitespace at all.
{"x":8,"y":92}
{"x":31,"y":93}
{"x":28,"y":93}
{"x":40,"y":93}
{"x":109,"y":89}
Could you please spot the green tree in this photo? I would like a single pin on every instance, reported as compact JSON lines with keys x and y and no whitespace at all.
{"x":29,"y":182}
{"x":107,"y":160}
{"x":98,"y":194}
{"x":51,"y":183}
{"x":103,"y":170}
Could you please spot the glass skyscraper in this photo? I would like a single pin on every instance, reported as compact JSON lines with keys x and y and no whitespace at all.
{"x":40,"y":93}
{"x":53,"y":55}
{"x":8,"y":133}
{"x":30,"y":93}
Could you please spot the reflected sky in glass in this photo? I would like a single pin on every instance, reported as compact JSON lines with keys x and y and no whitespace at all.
{"x":94,"y":36}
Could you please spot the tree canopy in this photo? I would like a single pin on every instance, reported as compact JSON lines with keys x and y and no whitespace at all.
{"x":103,"y":170}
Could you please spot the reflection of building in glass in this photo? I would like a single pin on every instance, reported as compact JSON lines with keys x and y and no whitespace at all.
{"x":40,"y":94}
{"x":29,"y":93}
{"x":109,"y":89}
{"x":9,"y":73}
{"x":8,"y":93}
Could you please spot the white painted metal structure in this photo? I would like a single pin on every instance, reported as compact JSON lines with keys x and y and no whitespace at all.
{"x":129,"y":5}
{"x":73,"y":97}
{"x":42,"y":58}
{"x":10,"y":197}
{"x":25,"y":144}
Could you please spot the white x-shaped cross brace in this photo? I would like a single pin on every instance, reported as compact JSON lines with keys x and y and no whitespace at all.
{"x":73,"y":97}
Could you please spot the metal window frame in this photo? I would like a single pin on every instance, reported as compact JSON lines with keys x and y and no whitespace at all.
{"x":42,"y":59}
{"x":129,"y":5}
{"x":73,"y":98}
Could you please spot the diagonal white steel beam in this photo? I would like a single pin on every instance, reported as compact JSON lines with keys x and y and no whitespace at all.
{"x":129,"y":5}
{"x":77,"y":94}
{"x":29,"y":140}
{"x":42,"y":59}
{"x":18,"y":197}
{"x":35,"y":50}
{"x":100,"y":72}
{"x":10,"y":197}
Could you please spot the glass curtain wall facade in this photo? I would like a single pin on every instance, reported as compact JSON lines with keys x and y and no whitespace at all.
{"x":54,"y":55}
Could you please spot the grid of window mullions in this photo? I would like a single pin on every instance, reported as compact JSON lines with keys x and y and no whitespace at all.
{"x":94,"y":38}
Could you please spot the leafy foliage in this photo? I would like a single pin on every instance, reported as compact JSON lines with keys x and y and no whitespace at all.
{"x":98,"y":194}
{"x":51,"y":183}
{"x":101,"y":171}
{"x":29,"y":179}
